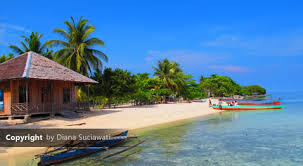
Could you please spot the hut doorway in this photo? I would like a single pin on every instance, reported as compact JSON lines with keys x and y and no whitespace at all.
{"x":45,"y":95}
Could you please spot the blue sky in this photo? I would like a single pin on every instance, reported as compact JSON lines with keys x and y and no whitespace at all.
{"x":253,"y":42}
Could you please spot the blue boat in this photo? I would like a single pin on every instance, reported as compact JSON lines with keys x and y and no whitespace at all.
{"x":51,"y":159}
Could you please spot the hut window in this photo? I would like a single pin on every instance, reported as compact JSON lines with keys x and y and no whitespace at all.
{"x":66,"y":95}
{"x":1,"y":100}
{"x":22,"y":94}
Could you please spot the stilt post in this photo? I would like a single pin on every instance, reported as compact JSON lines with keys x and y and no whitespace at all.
{"x":88,"y":97}
{"x":26,"y":93}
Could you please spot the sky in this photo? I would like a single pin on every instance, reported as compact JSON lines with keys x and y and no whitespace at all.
{"x":253,"y":42}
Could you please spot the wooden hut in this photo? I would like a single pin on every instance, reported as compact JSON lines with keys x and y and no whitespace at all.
{"x":32,"y":84}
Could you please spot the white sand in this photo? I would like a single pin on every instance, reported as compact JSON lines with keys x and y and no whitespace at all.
{"x":127,"y":118}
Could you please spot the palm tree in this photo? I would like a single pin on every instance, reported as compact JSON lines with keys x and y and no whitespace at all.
{"x":78,"y":47}
{"x":171,"y":74}
{"x":31,"y":43}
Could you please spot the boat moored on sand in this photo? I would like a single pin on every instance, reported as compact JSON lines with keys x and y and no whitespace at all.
{"x":50,"y":158}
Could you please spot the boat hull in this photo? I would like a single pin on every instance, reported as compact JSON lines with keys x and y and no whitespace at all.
{"x":251,"y":103}
{"x":246,"y":107}
{"x":71,"y":155}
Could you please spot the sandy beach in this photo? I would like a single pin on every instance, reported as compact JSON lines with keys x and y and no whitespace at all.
{"x":130,"y":118}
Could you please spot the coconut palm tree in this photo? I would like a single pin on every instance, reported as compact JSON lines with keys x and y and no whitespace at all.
{"x":171,"y":74}
{"x":78,"y":47}
{"x":32,"y":43}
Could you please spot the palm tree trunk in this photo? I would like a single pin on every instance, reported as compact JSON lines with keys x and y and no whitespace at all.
{"x":109,"y":102}
{"x":103,"y":103}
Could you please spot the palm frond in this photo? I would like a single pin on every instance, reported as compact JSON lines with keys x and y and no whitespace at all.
{"x":62,"y":32}
{"x":16,"y":49}
{"x":25,"y":48}
{"x":87,"y":32}
{"x":57,"y":43}
{"x":69,"y":25}
{"x":60,"y":54}
{"x":43,"y":47}
{"x":94,"y":42}
{"x":100,"y":54}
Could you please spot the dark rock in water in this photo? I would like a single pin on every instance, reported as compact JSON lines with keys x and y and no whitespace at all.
{"x":69,"y":114}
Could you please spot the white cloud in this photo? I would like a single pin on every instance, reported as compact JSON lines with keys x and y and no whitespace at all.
{"x":282,"y":45}
{"x":9,"y":32}
{"x":181,"y":56}
{"x":230,"y":68}
{"x":224,"y":41}
{"x":13,"y":27}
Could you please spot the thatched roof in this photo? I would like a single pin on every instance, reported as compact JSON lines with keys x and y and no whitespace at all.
{"x":35,"y":66}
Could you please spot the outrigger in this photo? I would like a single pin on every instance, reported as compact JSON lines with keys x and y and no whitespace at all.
{"x":51,"y":157}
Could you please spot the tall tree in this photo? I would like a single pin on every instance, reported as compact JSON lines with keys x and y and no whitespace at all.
{"x":143,"y":93}
{"x":253,"y":89}
{"x":32,"y":43}
{"x":220,"y":85}
{"x":148,"y":89}
{"x":171,"y":74}
{"x":192,"y":90}
{"x":114,"y":84}
{"x":78,"y":47}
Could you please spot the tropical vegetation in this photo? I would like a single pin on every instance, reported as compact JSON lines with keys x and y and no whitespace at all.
{"x":220,"y":86}
{"x":4,"y":58}
{"x":171,"y":75}
{"x":253,"y":89}
{"x":114,"y":84}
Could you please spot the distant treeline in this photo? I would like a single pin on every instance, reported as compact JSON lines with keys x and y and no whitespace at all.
{"x":224,"y":86}
{"x":168,"y":82}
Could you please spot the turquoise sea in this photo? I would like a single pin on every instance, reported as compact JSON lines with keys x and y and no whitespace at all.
{"x":250,"y":138}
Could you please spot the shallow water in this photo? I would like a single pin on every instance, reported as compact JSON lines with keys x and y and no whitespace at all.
{"x":227,"y":139}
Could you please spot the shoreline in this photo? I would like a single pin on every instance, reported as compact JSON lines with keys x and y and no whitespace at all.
{"x":130,"y":118}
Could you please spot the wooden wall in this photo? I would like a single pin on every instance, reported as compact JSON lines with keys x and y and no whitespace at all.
{"x":58,"y":91}
{"x":14,"y":91}
{"x":35,"y":90}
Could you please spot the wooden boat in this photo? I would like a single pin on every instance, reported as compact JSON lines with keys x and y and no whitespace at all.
{"x":50,"y":159}
{"x":253,"y":102}
{"x":259,"y":107}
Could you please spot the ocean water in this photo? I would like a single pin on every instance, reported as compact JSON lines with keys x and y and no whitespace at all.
{"x":249,"y":138}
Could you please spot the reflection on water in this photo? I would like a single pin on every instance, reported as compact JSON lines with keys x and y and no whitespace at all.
{"x":228,"y":139}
